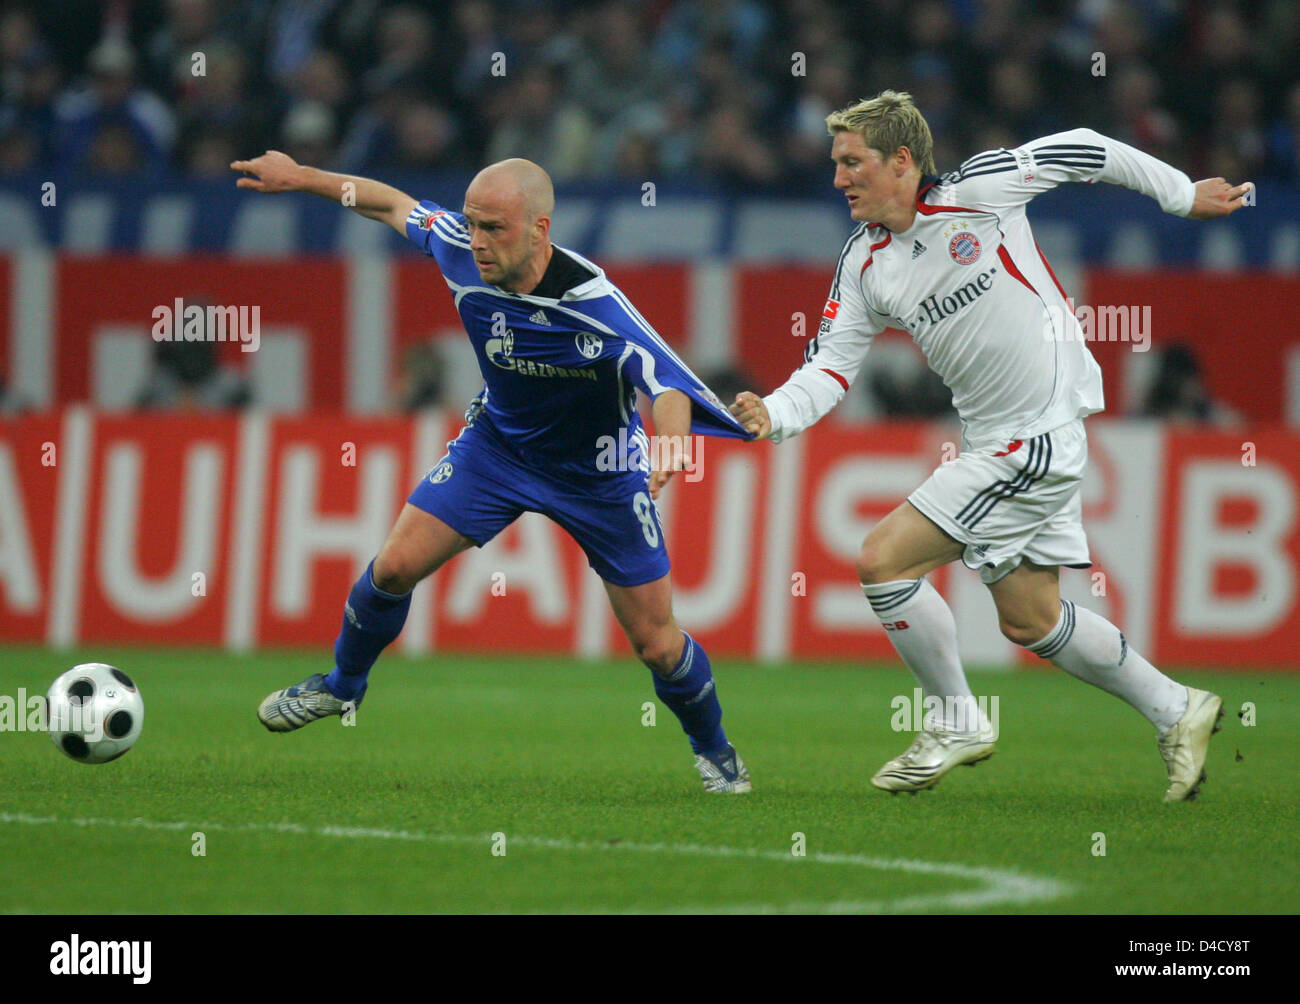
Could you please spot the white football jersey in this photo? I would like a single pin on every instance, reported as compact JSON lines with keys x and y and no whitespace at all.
{"x":969,"y":283}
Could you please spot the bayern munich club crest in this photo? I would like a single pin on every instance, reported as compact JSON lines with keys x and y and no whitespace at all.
{"x":964,"y":247}
{"x":589,"y":344}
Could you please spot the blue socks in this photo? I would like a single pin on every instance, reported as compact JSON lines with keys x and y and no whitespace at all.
{"x":372,"y":619}
{"x":690,"y":694}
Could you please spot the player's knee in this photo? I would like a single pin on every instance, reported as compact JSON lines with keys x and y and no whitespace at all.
{"x":1024,"y":633}
{"x":660,"y":649}
{"x":395,"y":571}
{"x":873,"y":564}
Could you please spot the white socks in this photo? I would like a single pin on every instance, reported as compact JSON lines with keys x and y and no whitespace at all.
{"x":1085,"y":645}
{"x":1094,"y":650}
{"x":924,"y":634}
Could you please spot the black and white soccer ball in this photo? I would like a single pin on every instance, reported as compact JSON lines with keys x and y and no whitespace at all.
{"x":94,"y":712}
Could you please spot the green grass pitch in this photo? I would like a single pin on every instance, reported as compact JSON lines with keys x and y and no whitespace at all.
{"x":599,"y":812}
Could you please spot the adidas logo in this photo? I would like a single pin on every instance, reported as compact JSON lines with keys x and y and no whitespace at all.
{"x":705,"y":691}
{"x":540,"y":318}
{"x":918,"y":249}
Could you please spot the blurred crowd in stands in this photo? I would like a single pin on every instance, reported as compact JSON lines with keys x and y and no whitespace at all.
{"x":728,"y":91}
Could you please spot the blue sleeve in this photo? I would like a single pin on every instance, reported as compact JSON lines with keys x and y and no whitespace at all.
{"x":435,"y":230}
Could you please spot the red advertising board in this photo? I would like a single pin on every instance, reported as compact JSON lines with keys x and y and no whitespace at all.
{"x":248,"y":531}
{"x":1231,"y":549}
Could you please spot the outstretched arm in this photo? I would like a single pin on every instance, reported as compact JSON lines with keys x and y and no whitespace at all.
{"x":1007,"y":178}
{"x":278,"y":172}
{"x":832,"y":359}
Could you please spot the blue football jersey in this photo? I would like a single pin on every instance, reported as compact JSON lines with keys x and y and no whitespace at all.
{"x":560,"y":375}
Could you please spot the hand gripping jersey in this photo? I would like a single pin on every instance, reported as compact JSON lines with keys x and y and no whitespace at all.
{"x":561,"y":373}
{"x":971,"y":286}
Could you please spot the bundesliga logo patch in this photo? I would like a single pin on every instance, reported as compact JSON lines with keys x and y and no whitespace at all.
{"x":964,"y":247}
{"x":427,"y":222}
{"x":831,"y":309}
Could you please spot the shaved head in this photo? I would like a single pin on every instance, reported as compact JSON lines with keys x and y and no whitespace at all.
{"x":508,"y":210}
{"x":514,"y":185}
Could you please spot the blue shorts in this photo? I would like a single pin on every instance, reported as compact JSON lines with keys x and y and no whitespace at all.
{"x":479,"y":488}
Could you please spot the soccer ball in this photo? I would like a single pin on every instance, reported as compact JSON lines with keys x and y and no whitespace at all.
{"x":94,"y":712}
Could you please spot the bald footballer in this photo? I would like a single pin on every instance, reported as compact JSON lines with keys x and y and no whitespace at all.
{"x":563,"y":355}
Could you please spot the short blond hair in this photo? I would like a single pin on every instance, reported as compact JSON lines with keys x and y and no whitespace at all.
{"x":886,"y":122}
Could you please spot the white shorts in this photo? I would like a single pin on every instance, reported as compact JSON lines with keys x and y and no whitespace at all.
{"x":1019,"y":503}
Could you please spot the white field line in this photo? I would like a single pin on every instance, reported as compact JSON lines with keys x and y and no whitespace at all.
{"x":996,"y":887}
